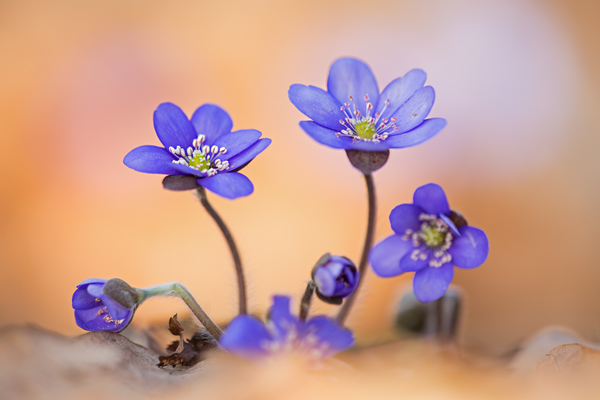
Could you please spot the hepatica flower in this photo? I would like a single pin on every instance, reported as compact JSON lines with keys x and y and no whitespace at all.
{"x":96,"y":311}
{"x":203,"y":147}
{"x":335,"y":277}
{"x":317,"y":338}
{"x":429,"y":240}
{"x":353,"y":115}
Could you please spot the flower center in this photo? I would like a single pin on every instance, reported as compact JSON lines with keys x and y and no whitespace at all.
{"x":431,"y":241}
{"x":366,"y":127}
{"x":200,"y":157}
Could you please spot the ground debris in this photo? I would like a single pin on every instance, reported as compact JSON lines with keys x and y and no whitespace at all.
{"x":186,"y":352}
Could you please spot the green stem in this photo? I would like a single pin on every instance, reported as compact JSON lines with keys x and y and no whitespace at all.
{"x":177,"y":289}
{"x":362,"y":267}
{"x":243,"y":307}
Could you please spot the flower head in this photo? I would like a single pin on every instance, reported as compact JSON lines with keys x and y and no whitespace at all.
{"x":430,"y":240}
{"x":335,"y":277}
{"x":203,"y":148}
{"x":96,"y":310}
{"x":353,"y":115}
{"x":317,"y":338}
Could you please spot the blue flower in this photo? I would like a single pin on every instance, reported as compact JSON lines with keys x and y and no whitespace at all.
{"x":335,"y":277}
{"x":203,"y":147}
{"x":96,"y":311}
{"x":353,"y":115}
{"x":317,"y":338}
{"x":430,"y":240}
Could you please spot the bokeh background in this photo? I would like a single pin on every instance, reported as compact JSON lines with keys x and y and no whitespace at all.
{"x":517,"y":80}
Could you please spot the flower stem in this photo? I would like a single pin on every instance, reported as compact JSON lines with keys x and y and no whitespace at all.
{"x":306,"y":300}
{"x":177,"y":289}
{"x":243,"y":308}
{"x":362,"y":267}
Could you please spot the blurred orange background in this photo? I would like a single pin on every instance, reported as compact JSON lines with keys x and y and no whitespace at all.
{"x":517,"y":81}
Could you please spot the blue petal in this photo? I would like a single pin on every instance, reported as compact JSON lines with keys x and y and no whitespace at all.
{"x":151,"y":160}
{"x":471,"y":249}
{"x":328,"y":332}
{"x":248,"y":154}
{"x":432,"y":199}
{"x":115,"y":309}
{"x":352,"y":77}
{"x":92,"y":280}
{"x":405,"y":216}
{"x":90,"y":321}
{"x":326,"y":136}
{"x":185,"y":170}
{"x":407,"y":264}
{"x":82,"y":300}
{"x":95,"y":289}
{"x":386,"y":255}
{"x":236,"y":142}
{"x":450,"y":224}
{"x":230,"y":185}
{"x":428,"y":129}
{"x":317,"y":105}
{"x":281,"y":318}
{"x":415,"y":110}
{"x":368,"y":146}
{"x":399,"y":91}
{"x":431,"y":283}
{"x":325,"y":281}
{"x":211,"y":121}
{"x":173,"y":127}
{"x":246,"y":336}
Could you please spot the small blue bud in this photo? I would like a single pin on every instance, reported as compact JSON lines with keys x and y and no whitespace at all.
{"x":336,"y":277}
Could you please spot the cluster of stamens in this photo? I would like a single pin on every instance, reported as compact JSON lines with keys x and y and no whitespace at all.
{"x":201,"y":157}
{"x":307,"y":345}
{"x":433,"y":237}
{"x":107,"y":318}
{"x":368,"y":128}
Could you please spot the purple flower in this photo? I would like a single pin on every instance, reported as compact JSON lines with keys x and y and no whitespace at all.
{"x":317,"y":338}
{"x":203,"y":147}
{"x":430,"y":240}
{"x":353,"y":115}
{"x":335,"y":277}
{"x":96,"y":311}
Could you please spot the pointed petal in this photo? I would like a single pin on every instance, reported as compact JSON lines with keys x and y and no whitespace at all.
{"x":325,"y":136}
{"x":428,"y":129}
{"x":415,"y":110}
{"x":399,"y":91}
{"x":431,"y":283}
{"x":432,"y":199}
{"x":211,"y":121}
{"x":173,"y":127}
{"x":246,"y":336}
{"x":317,"y":105}
{"x":151,"y":160}
{"x":352,"y":77}
{"x":236,"y":142}
{"x":281,"y":318}
{"x":405,"y":216}
{"x":230,"y":185}
{"x":407,"y":264}
{"x":82,"y":300}
{"x":471,"y":249}
{"x":331,"y":338}
{"x":248,"y":155}
{"x":450,"y":224}
{"x":386,"y":255}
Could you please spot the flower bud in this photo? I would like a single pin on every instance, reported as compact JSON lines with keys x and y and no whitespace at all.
{"x":335,"y":277}
{"x":105,"y":305}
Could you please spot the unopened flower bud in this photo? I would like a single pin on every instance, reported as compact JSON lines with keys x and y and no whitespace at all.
{"x":336,"y":277}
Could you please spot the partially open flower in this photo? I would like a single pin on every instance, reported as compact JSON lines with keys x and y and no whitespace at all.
{"x":429,"y":240}
{"x":105,"y":305}
{"x":335,"y":277}
{"x":317,"y":338}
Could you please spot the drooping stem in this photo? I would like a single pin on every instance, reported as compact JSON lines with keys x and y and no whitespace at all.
{"x":306,"y":300}
{"x":243,"y":307}
{"x":362,"y":267}
{"x":177,"y":289}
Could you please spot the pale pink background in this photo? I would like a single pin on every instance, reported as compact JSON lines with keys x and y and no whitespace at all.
{"x":517,"y":81}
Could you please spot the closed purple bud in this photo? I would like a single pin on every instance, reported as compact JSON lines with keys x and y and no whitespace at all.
{"x":336,"y":277}
{"x":105,"y":305}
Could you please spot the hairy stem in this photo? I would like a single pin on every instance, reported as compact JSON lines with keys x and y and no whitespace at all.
{"x":306,"y":300}
{"x":241,"y":280}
